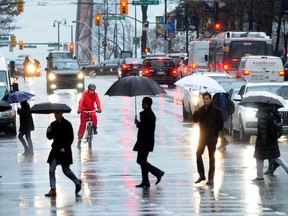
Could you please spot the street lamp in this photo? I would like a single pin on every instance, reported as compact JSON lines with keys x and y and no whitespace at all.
{"x":63,"y":21}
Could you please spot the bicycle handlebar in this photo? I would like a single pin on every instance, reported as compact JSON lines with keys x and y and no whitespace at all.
{"x":97,"y":111}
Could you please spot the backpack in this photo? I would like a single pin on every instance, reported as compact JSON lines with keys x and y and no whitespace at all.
{"x":230,"y":107}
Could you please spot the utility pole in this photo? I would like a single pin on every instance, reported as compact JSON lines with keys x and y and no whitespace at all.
{"x":144,"y":33}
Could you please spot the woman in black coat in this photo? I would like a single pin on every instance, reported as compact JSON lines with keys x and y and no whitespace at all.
{"x":267,"y":140}
{"x":26,"y":126}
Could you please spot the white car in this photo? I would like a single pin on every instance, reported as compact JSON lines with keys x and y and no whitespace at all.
{"x":244,"y":121}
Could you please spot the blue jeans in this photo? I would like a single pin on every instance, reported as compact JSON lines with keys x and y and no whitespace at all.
{"x":66,"y":170}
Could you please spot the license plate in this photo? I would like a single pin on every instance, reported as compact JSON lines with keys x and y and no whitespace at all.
{"x":160,"y":72}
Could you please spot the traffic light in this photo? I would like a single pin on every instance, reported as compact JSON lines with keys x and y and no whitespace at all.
{"x":98,"y":19}
{"x":19,"y":6}
{"x":124,"y":7}
{"x":147,"y":50}
{"x":139,"y":43}
{"x":71,"y":48}
{"x":217,"y":27}
{"x":21,"y":45}
{"x":12,"y":40}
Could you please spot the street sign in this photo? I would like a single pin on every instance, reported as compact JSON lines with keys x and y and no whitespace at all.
{"x":135,"y":40}
{"x":113,"y":17}
{"x":30,"y":46}
{"x":54,"y":45}
{"x":145,"y":2}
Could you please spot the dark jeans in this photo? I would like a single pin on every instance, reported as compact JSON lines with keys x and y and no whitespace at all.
{"x":146,"y":167}
{"x":26,"y":146}
{"x":200,"y":165}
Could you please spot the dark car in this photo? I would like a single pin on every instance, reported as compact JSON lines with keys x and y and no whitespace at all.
{"x":160,"y":69}
{"x":130,"y":66}
{"x":107,"y":67}
{"x":65,"y":74}
{"x":56,"y":55}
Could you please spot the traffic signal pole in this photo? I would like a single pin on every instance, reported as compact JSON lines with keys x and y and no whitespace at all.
{"x":144,"y":33}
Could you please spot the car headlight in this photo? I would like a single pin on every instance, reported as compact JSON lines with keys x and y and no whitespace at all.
{"x":249,"y":112}
{"x":51,"y":76}
{"x":8,"y":113}
{"x":80,"y":76}
{"x":30,"y":68}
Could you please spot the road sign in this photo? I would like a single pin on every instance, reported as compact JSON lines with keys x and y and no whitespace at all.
{"x":135,"y":40}
{"x":30,"y":46}
{"x":145,"y":2}
{"x":114,"y":18}
{"x":54,"y":45}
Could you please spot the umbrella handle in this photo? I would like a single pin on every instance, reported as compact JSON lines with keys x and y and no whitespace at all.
{"x":135,"y":108}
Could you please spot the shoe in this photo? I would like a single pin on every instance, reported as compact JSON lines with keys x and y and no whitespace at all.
{"x":51,"y":193}
{"x":159,"y":177}
{"x":200,"y":179}
{"x":78,"y":187}
{"x":80,"y":137}
{"x":210,"y":182}
{"x":275,"y":166}
{"x":26,"y":153}
{"x":258,"y":179}
{"x":143,"y":185}
{"x":268,"y":172}
{"x":223,"y":146}
{"x":95,"y":130}
{"x":79,"y":143}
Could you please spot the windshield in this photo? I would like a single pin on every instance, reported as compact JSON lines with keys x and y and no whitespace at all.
{"x":64,"y":55}
{"x":66,"y":66}
{"x":3,"y":77}
{"x":159,"y":63}
{"x":247,"y":48}
{"x":133,"y":61}
{"x":3,"y":91}
{"x":270,"y":88}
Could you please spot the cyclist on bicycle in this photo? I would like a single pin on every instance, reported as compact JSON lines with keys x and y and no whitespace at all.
{"x":87,"y":103}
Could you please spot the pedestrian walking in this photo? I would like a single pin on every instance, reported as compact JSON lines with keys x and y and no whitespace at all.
{"x":266,"y":146}
{"x":210,"y":122}
{"x":221,"y":101}
{"x":145,"y":143}
{"x":61,"y":132}
{"x":26,"y":126}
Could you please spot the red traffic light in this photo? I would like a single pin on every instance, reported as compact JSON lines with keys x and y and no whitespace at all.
{"x":217,"y":26}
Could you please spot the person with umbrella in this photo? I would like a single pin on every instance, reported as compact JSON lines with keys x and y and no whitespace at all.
{"x":210,"y":122}
{"x":145,"y":142}
{"x":266,"y":146}
{"x":61,"y":132}
{"x":87,"y":103}
{"x":26,"y":126}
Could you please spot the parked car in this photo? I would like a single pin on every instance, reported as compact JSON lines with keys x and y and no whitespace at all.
{"x":107,"y":67}
{"x":7,"y":117}
{"x":130,"y":66}
{"x":65,"y":74}
{"x":244,"y":123}
{"x":160,"y":69}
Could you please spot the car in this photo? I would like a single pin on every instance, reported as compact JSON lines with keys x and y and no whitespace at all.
{"x":130,"y":66}
{"x":65,"y":74}
{"x":55,"y":55}
{"x":244,"y":123}
{"x":7,"y":117}
{"x":107,"y":67}
{"x":33,"y":68}
{"x":228,"y":84}
{"x":160,"y":69}
{"x":183,"y":68}
{"x":214,"y":74}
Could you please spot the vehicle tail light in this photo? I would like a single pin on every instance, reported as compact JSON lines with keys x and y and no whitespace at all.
{"x":282,"y":73}
{"x":193,"y":65}
{"x":146,"y":71}
{"x":174,"y":72}
{"x":185,"y":68}
{"x":226,"y":66}
{"x":125,"y":66}
{"x":246,"y":72}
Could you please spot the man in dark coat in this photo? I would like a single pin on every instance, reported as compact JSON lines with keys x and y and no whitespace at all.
{"x":145,"y":142}
{"x":266,"y":146}
{"x":210,"y":122}
{"x":26,"y":126}
{"x":61,"y":132}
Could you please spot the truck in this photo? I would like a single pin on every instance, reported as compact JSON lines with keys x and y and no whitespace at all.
{"x":198,"y":56}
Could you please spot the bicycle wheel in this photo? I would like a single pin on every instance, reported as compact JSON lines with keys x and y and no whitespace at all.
{"x":89,"y":135}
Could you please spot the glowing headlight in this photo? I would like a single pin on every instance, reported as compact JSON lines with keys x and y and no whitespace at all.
{"x":195,"y":100}
{"x":30,"y":68}
{"x":80,"y":76}
{"x":250,"y":112}
{"x":51,"y":76}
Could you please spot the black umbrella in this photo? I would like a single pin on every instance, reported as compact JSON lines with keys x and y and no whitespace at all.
{"x":4,"y":106}
{"x":17,"y":96}
{"x":134,"y":86}
{"x":260,"y":98}
{"x":47,"y":108}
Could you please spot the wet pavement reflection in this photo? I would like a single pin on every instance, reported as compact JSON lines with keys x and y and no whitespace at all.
{"x":109,"y":170}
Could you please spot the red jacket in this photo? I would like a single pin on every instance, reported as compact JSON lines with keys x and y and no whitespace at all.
{"x":87,"y":101}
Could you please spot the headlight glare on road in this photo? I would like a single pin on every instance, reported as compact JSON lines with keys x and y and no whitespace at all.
{"x":80,"y":76}
{"x":51,"y":76}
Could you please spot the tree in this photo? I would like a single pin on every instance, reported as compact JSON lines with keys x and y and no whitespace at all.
{"x":7,"y":15}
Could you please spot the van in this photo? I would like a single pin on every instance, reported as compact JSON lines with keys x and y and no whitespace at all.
{"x":4,"y":73}
{"x":261,"y":69}
{"x":198,"y":56}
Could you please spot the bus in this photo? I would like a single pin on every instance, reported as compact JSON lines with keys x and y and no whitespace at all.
{"x":227,"y":48}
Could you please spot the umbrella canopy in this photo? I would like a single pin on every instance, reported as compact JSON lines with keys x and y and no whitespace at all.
{"x":47,"y":108}
{"x":17,"y":96}
{"x":259,"y":98}
{"x":134,"y":86}
{"x":4,"y":106}
{"x":200,"y":83}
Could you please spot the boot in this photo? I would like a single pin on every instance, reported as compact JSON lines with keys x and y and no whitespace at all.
{"x":95,"y":130}
{"x":51,"y":193}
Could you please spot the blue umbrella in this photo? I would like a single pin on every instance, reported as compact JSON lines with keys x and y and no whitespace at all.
{"x":17,"y":96}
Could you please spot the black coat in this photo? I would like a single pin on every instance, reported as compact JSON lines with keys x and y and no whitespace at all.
{"x":62,"y":135}
{"x":210,"y":122}
{"x":267,"y":141}
{"x":146,"y":131}
{"x":26,"y":120}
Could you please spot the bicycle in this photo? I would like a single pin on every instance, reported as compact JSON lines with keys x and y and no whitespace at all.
{"x":89,"y":130}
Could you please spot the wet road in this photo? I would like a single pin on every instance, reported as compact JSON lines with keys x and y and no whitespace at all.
{"x":109,"y":170}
